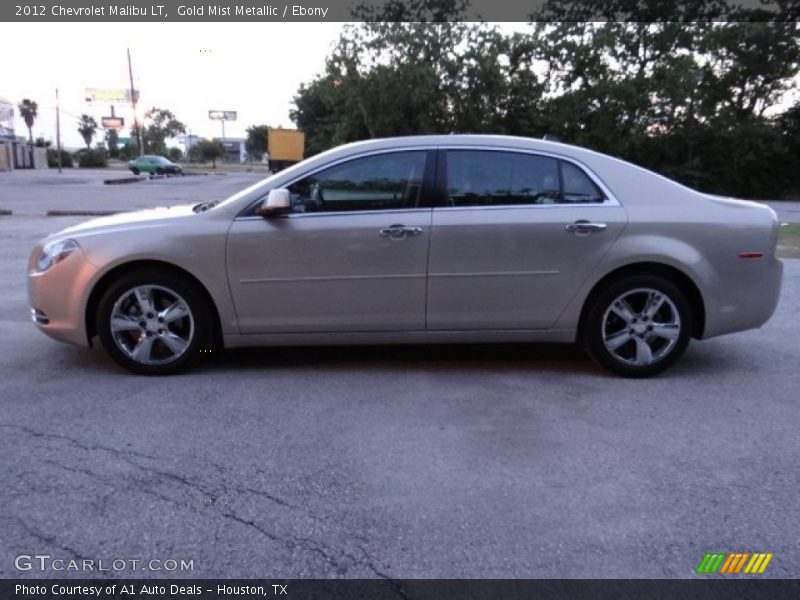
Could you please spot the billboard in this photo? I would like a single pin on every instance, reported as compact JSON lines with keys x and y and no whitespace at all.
{"x":112,"y":122}
{"x":110,"y":95}
{"x":222,"y":115}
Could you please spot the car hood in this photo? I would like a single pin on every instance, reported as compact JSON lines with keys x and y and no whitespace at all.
{"x":126,"y":220}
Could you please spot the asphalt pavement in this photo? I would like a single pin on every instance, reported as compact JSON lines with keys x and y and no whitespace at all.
{"x":404,"y":462}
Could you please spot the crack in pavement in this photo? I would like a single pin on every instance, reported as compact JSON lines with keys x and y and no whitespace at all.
{"x":47,"y":539}
{"x":290,"y":543}
{"x":73,"y":441}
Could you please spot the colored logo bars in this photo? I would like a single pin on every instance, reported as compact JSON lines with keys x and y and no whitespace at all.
{"x":734,"y":562}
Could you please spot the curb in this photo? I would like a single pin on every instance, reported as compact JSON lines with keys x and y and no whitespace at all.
{"x":81,"y":213}
{"x":136,"y":178}
{"x":123,"y":180}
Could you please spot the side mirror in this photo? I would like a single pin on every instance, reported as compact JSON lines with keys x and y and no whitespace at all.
{"x":277,"y":203}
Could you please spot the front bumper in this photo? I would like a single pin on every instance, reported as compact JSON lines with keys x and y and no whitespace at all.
{"x":58,"y":297}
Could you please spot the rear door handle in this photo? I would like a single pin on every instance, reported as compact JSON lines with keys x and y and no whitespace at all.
{"x":400,"y":231}
{"x":584,"y":227}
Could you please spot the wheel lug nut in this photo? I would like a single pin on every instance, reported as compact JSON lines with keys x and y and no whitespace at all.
{"x":142,"y":324}
{"x":150,"y":315}
{"x":160,"y":319}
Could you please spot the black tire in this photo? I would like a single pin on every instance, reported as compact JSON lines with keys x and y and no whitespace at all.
{"x":159,"y":171}
{"x":670,"y":327}
{"x":135,"y":171}
{"x":168,"y":287}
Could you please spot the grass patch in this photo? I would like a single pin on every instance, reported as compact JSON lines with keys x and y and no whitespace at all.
{"x":789,"y":241}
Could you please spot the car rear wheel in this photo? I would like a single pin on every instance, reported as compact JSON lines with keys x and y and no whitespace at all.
{"x":638,"y":326}
{"x":154,"y":322}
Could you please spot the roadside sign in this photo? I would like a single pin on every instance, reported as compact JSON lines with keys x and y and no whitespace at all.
{"x":222,"y":115}
{"x":113,"y":122}
{"x":110,"y":95}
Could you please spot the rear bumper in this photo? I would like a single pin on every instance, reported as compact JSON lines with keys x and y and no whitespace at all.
{"x":747,"y":303}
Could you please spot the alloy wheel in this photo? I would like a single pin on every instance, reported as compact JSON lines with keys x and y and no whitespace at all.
{"x":152,"y":324}
{"x":641,"y":327}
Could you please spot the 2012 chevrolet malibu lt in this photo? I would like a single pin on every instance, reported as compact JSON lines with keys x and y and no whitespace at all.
{"x":419,"y":239}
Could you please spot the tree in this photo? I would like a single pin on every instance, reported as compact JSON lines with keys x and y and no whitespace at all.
{"x":208,"y":150}
{"x":160,"y":124}
{"x":87,"y":127}
{"x":112,"y":139}
{"x":256,"y":142}
{"x":695,"y":95}
{"x":28,"y":110}
{"x":465,"y":77}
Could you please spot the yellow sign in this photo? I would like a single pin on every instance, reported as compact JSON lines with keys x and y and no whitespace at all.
{"x":110,"y":95}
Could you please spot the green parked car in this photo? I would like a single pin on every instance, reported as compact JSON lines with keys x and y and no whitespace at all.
{"x":155,"y":165}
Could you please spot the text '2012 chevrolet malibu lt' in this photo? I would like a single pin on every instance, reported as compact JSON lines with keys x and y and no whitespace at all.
{"x":419,"y":239}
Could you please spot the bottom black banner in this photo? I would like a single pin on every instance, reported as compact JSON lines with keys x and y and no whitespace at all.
{"x":404,"y":589}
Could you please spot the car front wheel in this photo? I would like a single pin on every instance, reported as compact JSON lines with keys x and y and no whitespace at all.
{"x":134,"y":170}
{"x":154,"y":322}
{"x":638,"y":326}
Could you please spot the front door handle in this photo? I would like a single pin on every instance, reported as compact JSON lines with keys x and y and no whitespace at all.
{"x":583,"y":227}
{"x":400,"y":231}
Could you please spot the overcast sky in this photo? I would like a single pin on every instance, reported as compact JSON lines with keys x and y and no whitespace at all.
{"x":189,"y":68}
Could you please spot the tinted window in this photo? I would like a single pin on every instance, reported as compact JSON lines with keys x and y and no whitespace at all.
{"x":487,"y":178}
{"x":378,"y":182}
{"x":577,"y":185}
{"x":491,"y":178}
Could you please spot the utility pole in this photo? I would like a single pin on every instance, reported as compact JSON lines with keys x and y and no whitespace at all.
{"x":133,"y":104}
{"x":58,"y":130}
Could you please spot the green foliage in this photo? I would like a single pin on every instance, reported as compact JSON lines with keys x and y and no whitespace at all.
{"x":112,"y":139}
{"x":127,"y":152}
{"x":175,"y":154}
{"x":696,"y":100}
{"x":208,"y":151}
{"x":87,"y":127}
{"x":159,"y":125}
{"x":28,"y":110}
{"x":52,"y":158}
{"x":91,"y":158}
{"x":256,"y":142}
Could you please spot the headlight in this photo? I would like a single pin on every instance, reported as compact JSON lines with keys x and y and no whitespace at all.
{"x":54,"y":252}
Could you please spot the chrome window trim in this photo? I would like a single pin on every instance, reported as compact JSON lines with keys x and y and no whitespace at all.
{"x":339,"y":213}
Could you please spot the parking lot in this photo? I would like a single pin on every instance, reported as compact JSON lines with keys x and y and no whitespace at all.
{"x":404,"y":462}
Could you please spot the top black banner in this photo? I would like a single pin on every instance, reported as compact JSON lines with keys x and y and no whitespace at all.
{"x":397,"y":10}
